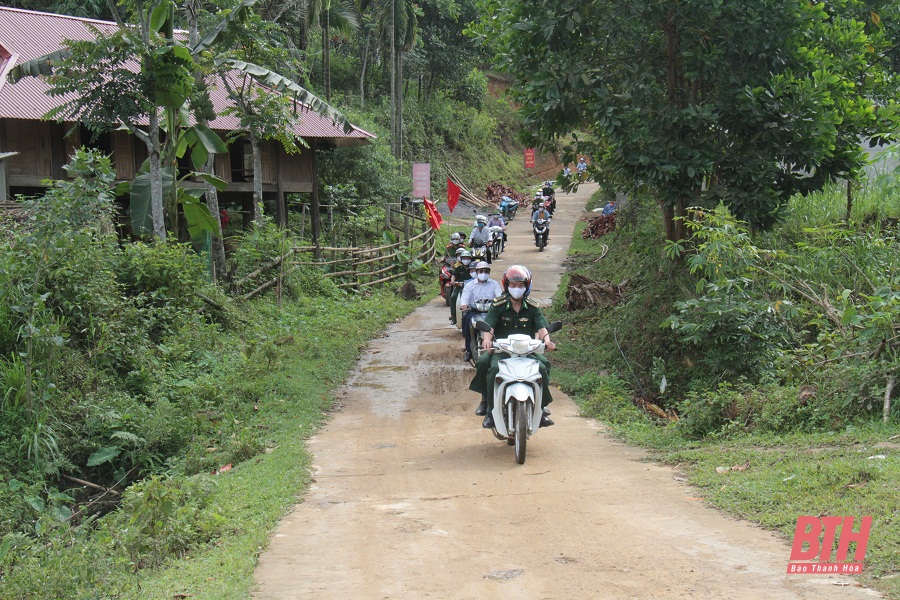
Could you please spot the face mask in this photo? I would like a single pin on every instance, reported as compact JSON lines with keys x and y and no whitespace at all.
{"x":516,"y":293}
{"x":466,"y":261}
{"x":483,"y":276}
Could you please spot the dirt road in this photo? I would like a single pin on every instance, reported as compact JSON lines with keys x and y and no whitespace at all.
{"x":413,"y":499}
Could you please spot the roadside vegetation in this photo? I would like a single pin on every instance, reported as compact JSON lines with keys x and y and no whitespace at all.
{"x":759,"y":365}
{"x":152,"y":424}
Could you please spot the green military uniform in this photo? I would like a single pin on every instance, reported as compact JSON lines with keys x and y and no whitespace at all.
{"x":505,"y":321}
{"x":450,"y":250}
{"x":460,"y":275}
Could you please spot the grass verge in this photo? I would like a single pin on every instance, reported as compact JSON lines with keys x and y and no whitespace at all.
{"x":853,"y":471}
{"x":278,"y":376}
{"x":257,"y":493}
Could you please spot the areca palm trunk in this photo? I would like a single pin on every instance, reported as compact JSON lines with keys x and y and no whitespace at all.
{"x":257,"y":177}
{"x":326,"y":61}
{"x":156,"y":192}
{"x":393,"y":35}
{"x":362,"y":75}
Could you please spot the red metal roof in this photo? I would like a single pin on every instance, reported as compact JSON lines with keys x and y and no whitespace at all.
{"x":26,"y":35}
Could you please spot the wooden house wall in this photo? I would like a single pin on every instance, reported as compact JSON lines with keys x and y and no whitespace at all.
{"x":31,"y":139}
{"x":44,"y":149}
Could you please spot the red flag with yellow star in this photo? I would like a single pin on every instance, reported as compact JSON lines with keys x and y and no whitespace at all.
{"x":434,"y":217}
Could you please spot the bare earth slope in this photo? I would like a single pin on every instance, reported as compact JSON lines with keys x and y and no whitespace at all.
{"x":413,"y":499}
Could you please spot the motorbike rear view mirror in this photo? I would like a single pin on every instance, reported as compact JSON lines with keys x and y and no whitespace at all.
{"x":554,"y":326}
{"x":482,"y":326}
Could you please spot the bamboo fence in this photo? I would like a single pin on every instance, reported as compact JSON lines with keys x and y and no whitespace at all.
{"x":354,"y":267}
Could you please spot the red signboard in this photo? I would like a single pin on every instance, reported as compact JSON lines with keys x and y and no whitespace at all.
{"x":529,"y":158}
{"x":421,"y":174}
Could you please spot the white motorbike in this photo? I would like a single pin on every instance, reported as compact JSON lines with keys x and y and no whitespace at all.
{"x":496,"y":241}
{"x":518,"y":384}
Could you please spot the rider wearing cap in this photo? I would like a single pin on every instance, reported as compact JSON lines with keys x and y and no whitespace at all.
{"x":513,"y":312}
{"x":482,"y":287}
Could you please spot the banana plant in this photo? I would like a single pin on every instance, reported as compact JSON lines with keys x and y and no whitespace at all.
{"x":104,"y":91}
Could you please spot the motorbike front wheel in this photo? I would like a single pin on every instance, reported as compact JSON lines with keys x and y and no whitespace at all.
{"x":521,"y":432}
{"x":540,"y":243}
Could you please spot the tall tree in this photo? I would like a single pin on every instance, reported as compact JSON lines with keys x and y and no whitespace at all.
{"x":328,"y":15}
{"x":396,"y":28}
{"x":700,"y":101}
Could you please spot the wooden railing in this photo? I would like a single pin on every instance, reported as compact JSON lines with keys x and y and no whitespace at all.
{"x":354,"y":267}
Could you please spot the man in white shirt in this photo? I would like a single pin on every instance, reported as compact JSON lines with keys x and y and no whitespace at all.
{"x":482,"y":287}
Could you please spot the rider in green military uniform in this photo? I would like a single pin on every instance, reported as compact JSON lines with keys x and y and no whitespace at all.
{"x":511,"y":313}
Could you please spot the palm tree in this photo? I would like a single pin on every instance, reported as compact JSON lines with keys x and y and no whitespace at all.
{"x":340,"y":15}
{"x":396,"y":27}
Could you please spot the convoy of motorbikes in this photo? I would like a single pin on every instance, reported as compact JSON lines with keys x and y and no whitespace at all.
{"x":517,"y":412}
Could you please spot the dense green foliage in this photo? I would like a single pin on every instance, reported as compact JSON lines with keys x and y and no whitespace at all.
{"x":122,"y":365}
{"x":125,"y":367}
{"x":757,"y":372}
{"x":796,"y":329}
{"x":701,"y":102}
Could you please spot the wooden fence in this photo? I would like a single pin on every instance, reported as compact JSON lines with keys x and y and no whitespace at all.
{"x":352,"y":267}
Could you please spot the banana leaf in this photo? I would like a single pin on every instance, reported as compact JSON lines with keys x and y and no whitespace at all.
{"x":282,"y":84}
{"x":37,"y":67}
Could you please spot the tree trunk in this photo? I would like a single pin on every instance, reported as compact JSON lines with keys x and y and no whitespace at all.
{"x":886,"y":412}
{"x":257,"y":177}
{"x":849,"y":198}
{"x":326,"y":61}
{"x":674,"y":75}
{"x":314,"y":207}
{"x":212,"y":202}
{"x":394,"y":147}
{"x":156,"y":192}
{"x":398,"y":104}
{"x":674,"y":225}
{"x":362,"y":75}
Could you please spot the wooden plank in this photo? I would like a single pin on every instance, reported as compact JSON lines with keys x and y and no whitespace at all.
{"x":267,"y":154}
{"x":31,"y":139}
{"x":297,"y":169}
{"x":222,"y":167}
{"x":123,"y":154}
